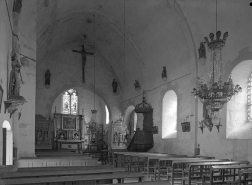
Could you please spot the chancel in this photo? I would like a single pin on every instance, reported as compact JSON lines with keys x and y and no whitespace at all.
{"x":119,"y":91}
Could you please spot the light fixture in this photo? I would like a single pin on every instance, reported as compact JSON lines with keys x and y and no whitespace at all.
{"x":215,"y":93}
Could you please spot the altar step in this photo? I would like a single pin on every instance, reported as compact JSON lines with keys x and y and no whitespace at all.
{"x":50,"y":153}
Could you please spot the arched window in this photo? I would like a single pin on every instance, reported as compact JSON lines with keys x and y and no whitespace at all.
{"x":70,"y":102}
{"x":249,"y":96}
{"x":169,"y":115}
{"x":107,"y":114}
{"x":238,"y":113}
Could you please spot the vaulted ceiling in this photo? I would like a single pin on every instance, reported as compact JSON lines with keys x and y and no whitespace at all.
{"x":132,"y":37}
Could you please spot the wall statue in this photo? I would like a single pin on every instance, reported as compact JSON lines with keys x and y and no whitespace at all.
{"x":164,"y":73}
{"x":202,"y":50}
{"x":15,"y":76}
{"x":137,"y":85}
{"x":114,"y":85}
{"x":47,"y":78}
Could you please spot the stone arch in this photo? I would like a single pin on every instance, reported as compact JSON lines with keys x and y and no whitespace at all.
{"x":128,"y":116}
{"x":7,"y":144}
{"x":98,"y":92}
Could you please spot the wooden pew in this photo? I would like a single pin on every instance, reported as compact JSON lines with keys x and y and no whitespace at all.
{"x":43,"y":173}
{"x":204,"y":157}
{"x":179,"y":166}
{"x":60,"y":168}
{"x":154,"y":162}
{"x":150,"y":162}
{"x":121,"y":159}
{"x":138,"y":160}
{"x":243,"y":176}
{"x":148,"y":183}
{"x":226,"y":174}
{"x":204,"y":169}
{"x":162,"y":164}
{"x":74,"y":178}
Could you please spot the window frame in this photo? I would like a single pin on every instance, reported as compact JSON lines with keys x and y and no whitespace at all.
{"x":70,"y":93}
{"x":249,"y":100}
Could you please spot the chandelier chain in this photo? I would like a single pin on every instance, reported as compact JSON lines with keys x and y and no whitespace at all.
{"x":216,"y":17}
{"x":94,"y":59}
{"x":124,"y":37}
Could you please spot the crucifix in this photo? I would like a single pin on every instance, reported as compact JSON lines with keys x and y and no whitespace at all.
{"x":83,"y":54}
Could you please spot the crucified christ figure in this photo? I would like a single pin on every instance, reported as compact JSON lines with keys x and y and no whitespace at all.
{"x":83,"y":54}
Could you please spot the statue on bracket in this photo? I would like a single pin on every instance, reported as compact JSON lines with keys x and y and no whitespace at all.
{"x":202,"y":50}
{"x":47,"y":78}
{"x":114,"y":85}
{"x":14,"y":100}
{"x":17,"y":5}
{"x":137,"y":85}
{"x":164,"y":74}
{"x":15,"y":76}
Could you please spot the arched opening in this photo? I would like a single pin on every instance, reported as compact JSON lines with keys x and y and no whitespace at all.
{"x":107,"y":114}
{"x":85,"y":103}
{"x":238,"y":125}
{"x":130,"y":120}
{"x":7,"y":144}
{"x":169,"y":115}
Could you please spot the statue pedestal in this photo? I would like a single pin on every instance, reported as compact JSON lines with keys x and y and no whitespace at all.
{"x":12,"y":104}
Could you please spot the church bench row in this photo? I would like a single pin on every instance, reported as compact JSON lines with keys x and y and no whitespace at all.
{"x":136,"y":161}
{"x":225,"y":174}
{"x":148,"y":183}
{"x":73,"y":178}
{"x":174,"y":166}
{"x":126,"y":159}
{"x":196,"y":171}
{"x":59,"y":168}
{"x":179,"y":166}
{"x":44,"y":173}
{"x":119,"y":158}
{"x":243,"y":176}
{"x":165,"y":163}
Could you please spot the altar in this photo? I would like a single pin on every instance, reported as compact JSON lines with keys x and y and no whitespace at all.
{"x":75,"y":145}
{"x":68,"y":132}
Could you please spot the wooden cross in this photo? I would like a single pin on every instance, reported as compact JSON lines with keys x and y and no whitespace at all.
{"x":83,"y":54}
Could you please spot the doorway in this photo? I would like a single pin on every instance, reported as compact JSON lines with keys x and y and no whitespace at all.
{"x":7,"y":144}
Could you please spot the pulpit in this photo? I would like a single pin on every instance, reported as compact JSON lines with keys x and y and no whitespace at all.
{"x":68,"y":132}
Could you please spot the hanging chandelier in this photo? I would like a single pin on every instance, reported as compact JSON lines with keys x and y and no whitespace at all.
{"x":214,"y":93}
